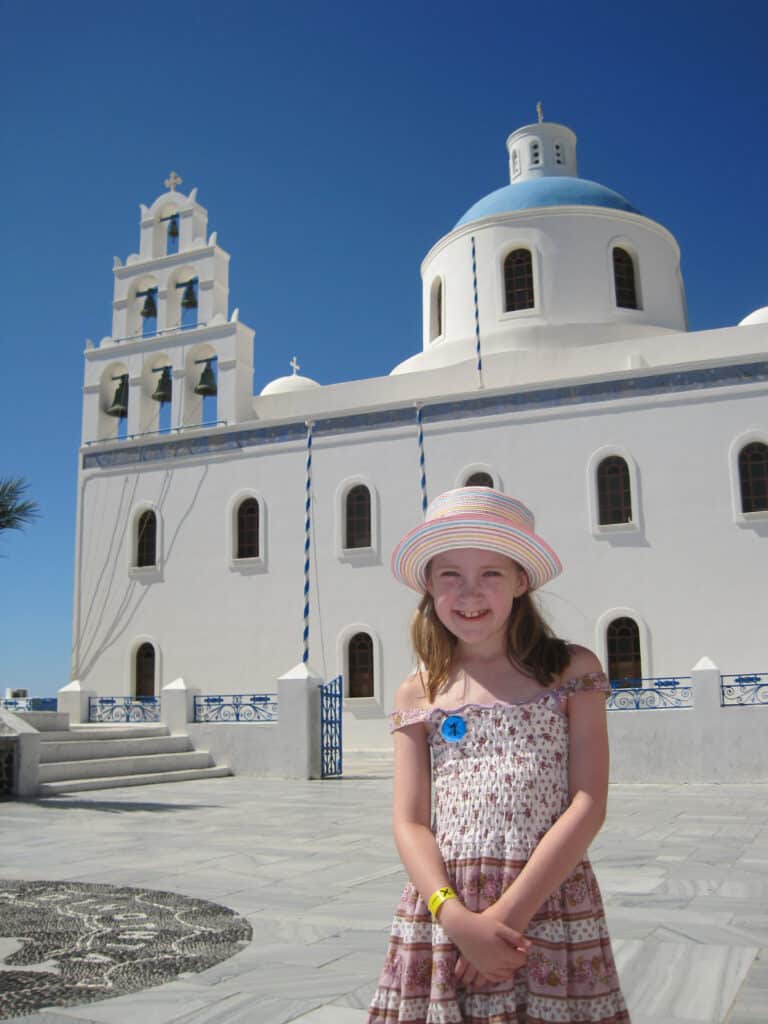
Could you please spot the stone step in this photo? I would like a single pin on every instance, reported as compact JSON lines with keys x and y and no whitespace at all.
{"x":368,"y":763}
{"x":91,"y":749}
{"x":102,"y":731}
{"x":115,"y":782}
{"x":143,"y":764}
{"x":45,"y":722}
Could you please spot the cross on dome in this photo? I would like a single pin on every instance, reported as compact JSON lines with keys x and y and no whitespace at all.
{"x":540,"y":112}
{"x":294,"y":365}
{"x":172,"y":181}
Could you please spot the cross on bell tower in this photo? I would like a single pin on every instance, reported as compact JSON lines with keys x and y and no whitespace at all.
{"x":172,"y":181}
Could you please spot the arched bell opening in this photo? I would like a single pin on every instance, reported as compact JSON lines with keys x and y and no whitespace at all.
{"x":114,"y":396}
{"x":143,"y":312}
{"x":166,"y":235}
{"x":156,"y":396}
{"x":201,"y":387}
{"x":183,"y":299}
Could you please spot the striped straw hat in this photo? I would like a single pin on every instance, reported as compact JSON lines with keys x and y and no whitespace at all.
{"x":475,"y":517}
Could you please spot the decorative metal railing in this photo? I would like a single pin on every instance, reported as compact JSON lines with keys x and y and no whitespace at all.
{"x":330,"y":728}
{"x":750,"y":688}
{"x":124,"y":709}
{"x":28,"y":703}
{"x":665,"y":692}
{"x":237,"y":707}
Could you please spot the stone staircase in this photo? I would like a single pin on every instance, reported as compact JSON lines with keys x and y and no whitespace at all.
{"x":85,"y":757}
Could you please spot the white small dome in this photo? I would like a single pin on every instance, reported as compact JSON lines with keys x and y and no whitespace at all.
{"x":760,"y":316}
{"x":293,"y":382}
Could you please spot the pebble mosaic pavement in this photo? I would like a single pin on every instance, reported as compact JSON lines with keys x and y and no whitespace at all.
{"x":81,"y":942}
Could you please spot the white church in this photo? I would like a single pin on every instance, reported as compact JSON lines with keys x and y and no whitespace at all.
{"x":555,"y":364}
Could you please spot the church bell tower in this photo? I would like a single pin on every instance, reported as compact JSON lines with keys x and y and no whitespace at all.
{"x":176,"y":358}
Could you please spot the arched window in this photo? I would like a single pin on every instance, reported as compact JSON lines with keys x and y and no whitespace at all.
{"x":357,"y":528}
{"x":535,"y":154}
{"x":436,"y":310}
{"x":624,"y":279}
{"x":146,"y":539}
{"x":614,"y":495}
{"x":623,"y":644}
{"x":360,"y":666}
{"x":248,"y":529}
{"x":753,"y":477}
{"x":518,"y":280}
{"x":145,"y":671}
{"x":559,"y":153}
{"x":515,"y":163}
{"x":479,"y":480}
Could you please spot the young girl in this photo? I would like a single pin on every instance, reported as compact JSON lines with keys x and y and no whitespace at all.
{"x":502,"y":920}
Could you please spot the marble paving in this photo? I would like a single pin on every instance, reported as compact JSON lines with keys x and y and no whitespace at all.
{"x":312,"y":869}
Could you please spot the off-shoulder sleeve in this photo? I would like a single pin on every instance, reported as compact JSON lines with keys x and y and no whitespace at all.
{"x":592,"y":682}
{"x":410,"y":716}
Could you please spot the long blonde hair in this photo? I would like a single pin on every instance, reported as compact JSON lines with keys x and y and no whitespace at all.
{"x":530,"y":644}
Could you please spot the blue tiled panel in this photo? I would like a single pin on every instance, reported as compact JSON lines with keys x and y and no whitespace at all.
{"x":460,"y":408}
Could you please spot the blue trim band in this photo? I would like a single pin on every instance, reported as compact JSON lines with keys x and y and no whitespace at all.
{"x":460,"y":408}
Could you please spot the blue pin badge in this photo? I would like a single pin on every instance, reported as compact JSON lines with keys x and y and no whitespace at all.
{"x":453,"y":729}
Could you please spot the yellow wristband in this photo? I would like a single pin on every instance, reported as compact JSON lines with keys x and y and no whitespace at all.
{"x":438,"y":898}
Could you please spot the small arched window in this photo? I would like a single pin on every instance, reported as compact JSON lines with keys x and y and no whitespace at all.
{"x":559,"y":153}
{"x":145,"y":671}
{"x":248,"y":529}
{"x":624,"y":279}
{"x":515,"y":163}
{"x":146,"y":539}
{"x":360,"y":666}
{"x":518,"y":280}
{"x":535,"y":154}
{"x":623,"y":645}
{"x":436,"y":310}
{"x":357,"y":525}
{"x":753,"y":477}
{"x":479,"y":479}
{"x":614,"y":495}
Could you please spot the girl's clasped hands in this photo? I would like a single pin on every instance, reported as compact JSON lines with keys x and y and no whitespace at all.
{"x":491,"y":951}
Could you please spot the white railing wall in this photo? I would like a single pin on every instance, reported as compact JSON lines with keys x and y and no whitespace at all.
{"x":704,"y":743}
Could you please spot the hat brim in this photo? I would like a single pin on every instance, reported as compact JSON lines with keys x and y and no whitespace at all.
{"x":486,"y":533}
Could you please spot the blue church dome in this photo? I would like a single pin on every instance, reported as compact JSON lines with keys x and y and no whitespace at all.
{"x":546,"y":191}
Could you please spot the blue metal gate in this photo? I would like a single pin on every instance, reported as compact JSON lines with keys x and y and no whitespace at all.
{"x":330,"y":728}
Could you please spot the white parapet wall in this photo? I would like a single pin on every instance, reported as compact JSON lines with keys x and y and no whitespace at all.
{"x":26,"y":763}
{"x":286,"y":748}
{"x":703,"y":743}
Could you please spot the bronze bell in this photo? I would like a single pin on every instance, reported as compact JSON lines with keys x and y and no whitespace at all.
{"x":149,"y":309}
{"x":162,"y":392}
{"x":189,"y":299}
{"x":206,"y":386}
{"x":173,"y":227}
{"x":119,"y":407}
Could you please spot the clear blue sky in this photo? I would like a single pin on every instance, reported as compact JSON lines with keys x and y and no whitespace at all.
{"x":332,"y":145}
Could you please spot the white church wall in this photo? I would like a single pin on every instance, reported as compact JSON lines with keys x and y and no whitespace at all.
{"x":228,"y":631}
